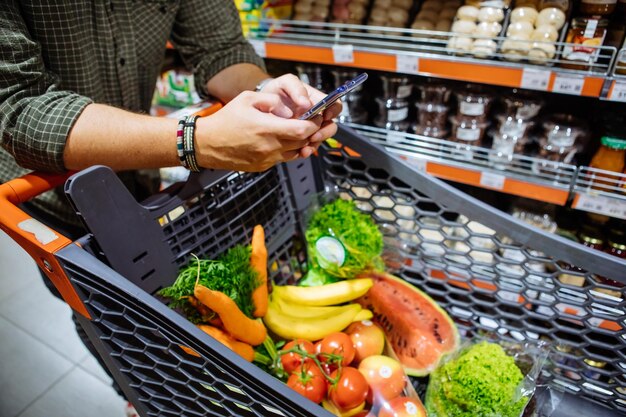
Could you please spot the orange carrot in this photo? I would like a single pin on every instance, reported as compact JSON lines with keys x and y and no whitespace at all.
{"x":258,"y":261}
{"x":235,"y":322}
{"x":242,"y":349}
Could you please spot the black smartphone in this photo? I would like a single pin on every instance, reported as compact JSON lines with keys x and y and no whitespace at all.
{"x":328,"y":101}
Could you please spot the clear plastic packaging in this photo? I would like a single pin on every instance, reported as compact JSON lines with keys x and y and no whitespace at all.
{"x":431,"y":120}
{"x":480,"y":379}
{"x":396,"y":86}
{"x":392,"y":114}
{"x":521,"y":105}
{"x":434,"y":93}
{"x":474,"y":102}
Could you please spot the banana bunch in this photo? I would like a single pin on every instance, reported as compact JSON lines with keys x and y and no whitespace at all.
{"x":312,"y":313}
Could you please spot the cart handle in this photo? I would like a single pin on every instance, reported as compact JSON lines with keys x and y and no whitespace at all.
{"x":34,"y":237}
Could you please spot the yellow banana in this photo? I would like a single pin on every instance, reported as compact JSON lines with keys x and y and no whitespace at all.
{"x":311,"y":329}
{"x":364,"y":314}
{"x":324,"y":295}
{"x":304,"y":311}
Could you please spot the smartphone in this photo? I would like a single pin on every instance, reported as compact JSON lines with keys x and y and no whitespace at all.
{"x":328,"y":101}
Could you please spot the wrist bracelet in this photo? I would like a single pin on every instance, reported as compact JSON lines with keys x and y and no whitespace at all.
{"x":188,"y":143}
{"x":262,"y":84}
{"x":180,"y":147}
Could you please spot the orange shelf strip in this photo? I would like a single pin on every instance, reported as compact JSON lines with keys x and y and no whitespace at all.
{"x":461,"y":71}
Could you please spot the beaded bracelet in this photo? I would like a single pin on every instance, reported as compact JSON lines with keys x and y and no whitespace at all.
{"x":180,"y":149}
{"x":188,"y":143}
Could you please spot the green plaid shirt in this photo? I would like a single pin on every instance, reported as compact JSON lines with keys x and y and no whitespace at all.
{"x":57,"y":56}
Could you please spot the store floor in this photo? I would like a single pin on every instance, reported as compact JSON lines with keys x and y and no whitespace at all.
{"x":45,"y":371}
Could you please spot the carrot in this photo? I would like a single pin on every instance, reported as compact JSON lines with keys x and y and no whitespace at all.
{"x":258,"y":261}
{"x":235,"y":322}
{"x":242,"y":349}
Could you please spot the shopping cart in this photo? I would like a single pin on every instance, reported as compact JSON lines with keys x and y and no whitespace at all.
{"x":492,"y":273}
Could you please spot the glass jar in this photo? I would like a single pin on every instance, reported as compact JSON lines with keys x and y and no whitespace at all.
{"x":597,"y":7}
{"x":616,"y":246}
{"x":521,"y":105}
{"x":431,"y":120}
{"x":609,"y":157}
{"x":583,"y":38}
{"x":516,"y":128}
{"x":474,"y":103}
{"x":560,"y":137}
{"x":468,"y":132}
{"x":503,"y":148}
{"x":392,"y":114}
{"x":396,"y":86}
{"x":563,"y":5}
{"x":434,"y":93}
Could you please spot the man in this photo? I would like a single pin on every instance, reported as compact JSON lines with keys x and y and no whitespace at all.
{"x":77,"y":80}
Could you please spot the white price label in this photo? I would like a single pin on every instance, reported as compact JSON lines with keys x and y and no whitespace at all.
{"x":395,"y":137}
{"x":407,"y":64}
{"x":490,"y":180}
{"x":343,"y":54}
{"x":419,"y":164}
{"x":601,"y":205}
{"x":566,"y":84}
{"x":259,"y":47}
{"x":535,"y":79}
{"x":618,"y":92}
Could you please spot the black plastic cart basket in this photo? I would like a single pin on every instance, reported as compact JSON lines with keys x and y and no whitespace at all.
{"x":492,"y":273}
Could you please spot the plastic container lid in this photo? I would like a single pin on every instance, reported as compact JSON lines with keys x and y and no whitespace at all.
{"x":614,"y":143}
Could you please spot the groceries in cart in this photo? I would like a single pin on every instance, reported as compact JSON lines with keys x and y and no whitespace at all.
{"x":349,"y":335}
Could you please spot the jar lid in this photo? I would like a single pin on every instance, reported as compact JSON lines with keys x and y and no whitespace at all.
{"x":584,"y":21}
{"x":614,"y":143}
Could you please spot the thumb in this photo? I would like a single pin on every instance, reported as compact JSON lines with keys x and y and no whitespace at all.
{"x":271,"y":103}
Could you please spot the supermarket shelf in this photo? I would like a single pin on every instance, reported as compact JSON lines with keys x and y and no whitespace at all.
{"x":616,"y":88}
{"x":517,"y":174}
{"x":601,"y":192}
{"x":425,"y":53}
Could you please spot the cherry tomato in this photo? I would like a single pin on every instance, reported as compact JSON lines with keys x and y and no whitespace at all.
{"x":368,"y":339}
{"x":350,"y":390}
{"x":337,"y":344}
{"x":403,"y":407}
{"x":384,"y":376}
{"x":292,"y":360}
{"x":307,"y":380}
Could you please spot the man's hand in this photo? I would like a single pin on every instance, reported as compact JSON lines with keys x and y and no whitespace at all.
{"x":299,"y":97}
{"x":253,"y":132}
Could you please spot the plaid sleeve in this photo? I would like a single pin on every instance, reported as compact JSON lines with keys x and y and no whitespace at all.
{"x":35,"y":116}
{"x":207,"y":33}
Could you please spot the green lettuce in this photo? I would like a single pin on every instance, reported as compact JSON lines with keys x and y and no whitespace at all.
{"x":482,"y":382}
{"x":355,"y":230}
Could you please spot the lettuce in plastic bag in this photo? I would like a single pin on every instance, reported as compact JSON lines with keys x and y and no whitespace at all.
{"x":485,"y":380}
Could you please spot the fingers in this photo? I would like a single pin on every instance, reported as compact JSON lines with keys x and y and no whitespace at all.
{"x":295,"y":89}
{"x":333,"y":111}
{"x":327,"y":130}
{"x":270,"y":103}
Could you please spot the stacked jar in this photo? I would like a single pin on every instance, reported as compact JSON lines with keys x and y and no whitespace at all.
{"x":588,"y":31}
{"x":432,"y":110}
{"x":512,"y":135}
{"x":393,"y":106}
{"x":562,"y":138}
{"x":353,"y":109}
{"x":470,"y":122}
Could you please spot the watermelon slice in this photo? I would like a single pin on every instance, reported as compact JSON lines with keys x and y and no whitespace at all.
{"x":419,"y":331}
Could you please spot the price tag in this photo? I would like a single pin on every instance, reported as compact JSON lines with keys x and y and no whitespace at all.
{"x":490,"y":180}
{"x":407,"y":64}
{"x":259,"y":47}
{"x":535,"y":79}
{"x":618,"y":92}
{"x":566,"y":84}
{"x":394,"y":137}
{"x":419,"y":164}
{"x":601,"y":205}
{"x":343,"y":54}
